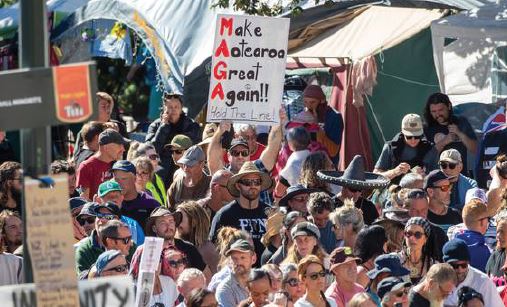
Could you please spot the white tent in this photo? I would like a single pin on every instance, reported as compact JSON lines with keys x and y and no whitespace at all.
{"x":463,"y":47}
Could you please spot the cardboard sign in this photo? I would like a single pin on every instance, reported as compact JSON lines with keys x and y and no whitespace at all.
{"x":39,"y":97}
{"x":248,"y":69}
{"x":50,"y":243}
{"x":150,"y":259}
{"x":117,"y":291}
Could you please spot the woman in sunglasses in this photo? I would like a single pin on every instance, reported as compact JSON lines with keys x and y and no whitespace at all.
{"x":109,"y":263}
{"x":312,"y":273}
{"x":416,"y":251}
{"x":291,"y":283}
{"x":173,"y":262}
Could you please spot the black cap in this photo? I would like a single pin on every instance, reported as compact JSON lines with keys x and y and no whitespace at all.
{"x":456,"y":250}
{"x":390,"y":284}
{"x":109,"y":136}
{"x":240,"y":245}
{"x":124,"y":165}
{"x":88,"y":209}
{"x":76,"y":202}
{"x":434,"y":177}
{"x":238,"y":142}
{"x":110,"y":206}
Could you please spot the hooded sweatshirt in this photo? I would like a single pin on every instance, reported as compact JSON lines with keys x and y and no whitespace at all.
{"x":479,"y":251}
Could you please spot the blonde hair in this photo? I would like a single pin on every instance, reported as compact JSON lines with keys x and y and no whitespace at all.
{"x":473,"y":211}
{"x":144,"y":163}
{"x":440,"y":273}
{"x":348,"y":214}
{"x":225,"y":237}
{"x":359,"y":299}
{"x":294,"y":257}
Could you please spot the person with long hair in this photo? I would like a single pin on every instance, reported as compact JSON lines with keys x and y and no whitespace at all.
{"x":416,"y":254}
{"x":305,"y":236}
{"x":11,"y":186}
{"x":370,"y":243}
{"x":316,"y":161}
{"x":347,"y":221}
{"x":312,"y":273}
{"x":194,"y":228}
{"x":290,"y":220}
{"x":291,"y":284}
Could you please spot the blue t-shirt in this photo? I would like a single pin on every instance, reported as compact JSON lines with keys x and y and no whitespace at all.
{"x":328,"y":238}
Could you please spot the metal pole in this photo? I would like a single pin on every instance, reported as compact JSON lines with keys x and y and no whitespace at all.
{"x":35,"y":143}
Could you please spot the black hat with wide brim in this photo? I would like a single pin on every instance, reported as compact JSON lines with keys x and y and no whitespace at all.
{"x":354,"y":176}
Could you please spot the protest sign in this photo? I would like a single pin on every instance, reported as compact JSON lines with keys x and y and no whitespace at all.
{"x":150,"y":259}
{"x":50,"y":242}
{"x":117,"y":291}
{"x":248,"y":69}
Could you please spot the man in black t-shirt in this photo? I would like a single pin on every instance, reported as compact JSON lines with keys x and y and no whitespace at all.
{"x":246,"y":212}
{"x":438,"y":284}
{"x":438,"y":187}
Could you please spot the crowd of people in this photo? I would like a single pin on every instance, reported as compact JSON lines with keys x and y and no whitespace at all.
{"x":255,"y":220}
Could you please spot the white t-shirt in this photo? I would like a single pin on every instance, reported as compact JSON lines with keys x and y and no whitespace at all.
{"x":169,"y":293}
{"x":11,"y":269}
{"x":302,"y":302}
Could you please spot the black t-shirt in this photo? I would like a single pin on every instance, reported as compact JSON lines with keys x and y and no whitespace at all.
{"x":417,"y":300}
{"x":252,"y":221}
{"x":194,"y":257}
{"x":268,"y":253}
{"x":452,"y":217}
{"x":493,"y":145}
{"x":437,"y":238}
{"x":370,"y":213}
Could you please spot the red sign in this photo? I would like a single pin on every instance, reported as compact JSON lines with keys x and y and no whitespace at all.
{"x":72,"y":93}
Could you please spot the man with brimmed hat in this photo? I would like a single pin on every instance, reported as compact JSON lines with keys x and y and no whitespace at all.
{"x":172,"y":121}
{"x":233,"y":289}
{"x":406,"y":150}
{"x":110,"y":191}
{"x":247,"y":212}
{"x":354,"y":181}
{"x":162,"y":223}
{"x":456,"y":253}
{"x":97,"y":168}
{"x":392,"y":291}
{"x":193,"y":183}
{"x":296,"y":198}
{"x":386,"y":265}
{"x":438,"y":188}
{"x":136,"y":205}
{"x":344,"y":268}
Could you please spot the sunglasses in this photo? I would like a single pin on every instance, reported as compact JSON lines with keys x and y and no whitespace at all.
{"x":316,"y":275}
{"x":125,"y":240}
{"x":401,"y":293}
{"x":88,"y":220}
{"x":153,"y":157}
{"x":250,"y":182}
{"x":459,"y":265}
{"x":416,"y":194}
{"x":177,"y":151}
{"x":107,"y":216}
{"x":177,"y":263}
{"x":171,"y":96}
{"x":243,"y":153}
{"x":119,"y":269}
{"x":415,"y":234}
{"x":413,"y":137}
{"x":293,"y":282}
{"x":448,"y":165}
{"x":443,"y":188}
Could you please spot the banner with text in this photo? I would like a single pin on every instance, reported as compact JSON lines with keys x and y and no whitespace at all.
{"x":248,"y":69}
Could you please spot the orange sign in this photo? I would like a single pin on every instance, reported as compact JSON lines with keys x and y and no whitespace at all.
{"x":72,"y":93}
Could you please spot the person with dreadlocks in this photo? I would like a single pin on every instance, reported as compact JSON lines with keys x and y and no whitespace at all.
{"x":194,"y":227}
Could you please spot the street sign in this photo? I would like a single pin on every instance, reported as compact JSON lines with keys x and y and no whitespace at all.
{"x":38,"y":97}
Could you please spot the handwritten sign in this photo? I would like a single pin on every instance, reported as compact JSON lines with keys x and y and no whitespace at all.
{"x":117,"y":291}
{"x":50,"y":243}
{"x":150,"y":259}
{"x":248,"y":69}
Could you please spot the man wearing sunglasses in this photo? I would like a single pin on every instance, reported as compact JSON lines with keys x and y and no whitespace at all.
{"x":406,"y":150}
{"x":393,"y":292}
{"x":451,"y":164}
{"x":116,"y":235}
{"x":438,"y":188}
{"x":344,"y":268}
{"x":456,"y":253}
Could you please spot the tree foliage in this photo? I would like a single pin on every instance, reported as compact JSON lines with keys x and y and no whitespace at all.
{"x":5,"y":3}
{"x":262,"y":8}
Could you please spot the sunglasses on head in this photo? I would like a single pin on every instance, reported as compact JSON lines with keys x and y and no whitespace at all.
{"x":250,"y":182}
{"x":413,"y":137}
{"x":459,"y":265}
{"x":119,"y":269}
{"x":415,"y":234}
{"x":177,"y":263}
{"x":243,"y":153}
{"x":293,"y":282}
{"x":177,"y":151}
{"x":314,"y":276}
{"x":448,"y":165}
{"x":88,"y":220}
{"x":125,"y":240}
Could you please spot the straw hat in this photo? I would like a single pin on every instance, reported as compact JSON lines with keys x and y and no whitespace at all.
{"x":247,"y":169}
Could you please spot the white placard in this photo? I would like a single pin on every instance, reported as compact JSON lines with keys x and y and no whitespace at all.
{"x":248,"y":69}
{"x":115,"y":291}
{"x":150,"y":260}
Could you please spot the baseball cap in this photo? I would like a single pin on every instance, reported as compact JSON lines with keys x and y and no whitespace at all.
{"x":192,"y":156}
{"x":180,"y":141}
{"x":238,"y":142}
{"x":108,"y":186}
{"x":124,"y":165}
{"x":111,"y":136}
{"x":305,"y":229}
{"x":451,"y":155}
{"x":388,"y":263}
{"x":390,"y":284}
{"x":88,"y":209}
{"x":110,"y":206}
{"x":341,"y":255}
{"x":455,"y":250}
{"x":412,"y":125}
{"x":76,"y":202}
{"x":476,"y":193}
{"x":433,"y":177}
{"x":240,"y":245}
{"x":105,"y":258}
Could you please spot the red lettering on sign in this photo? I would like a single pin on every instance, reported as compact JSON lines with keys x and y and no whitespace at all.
{"x":226,"y":23}
{"x":218,"y":90}
{"x":220,"y":74}
{"x":222,"y":49}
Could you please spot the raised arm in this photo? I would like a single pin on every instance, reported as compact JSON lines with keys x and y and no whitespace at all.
{"x":215,"y":161}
